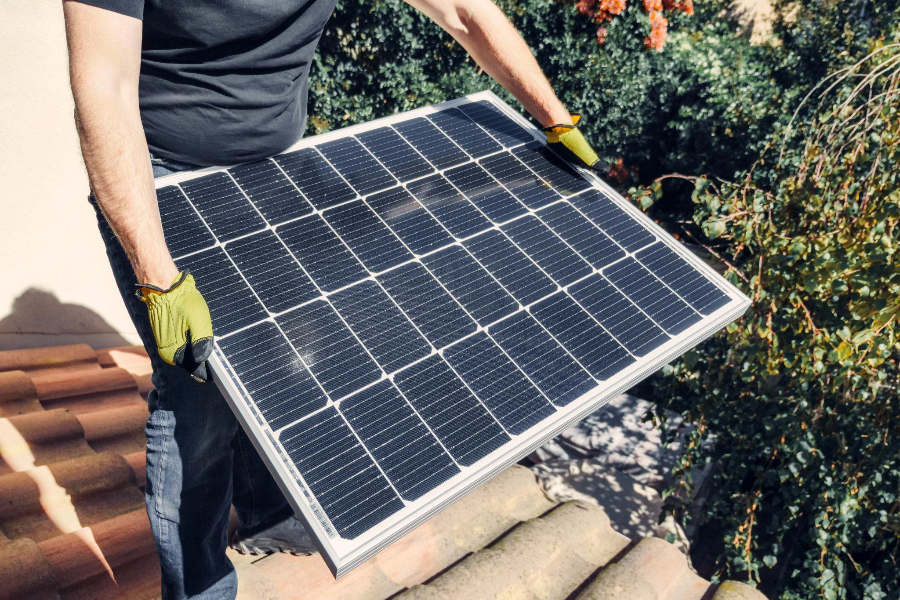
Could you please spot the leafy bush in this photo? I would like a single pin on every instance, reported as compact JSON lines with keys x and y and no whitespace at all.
{"x":660,"y":110}
{"x":798,"y":402}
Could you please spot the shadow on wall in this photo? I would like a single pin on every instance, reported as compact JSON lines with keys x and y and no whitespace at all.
{"x":38,"y":319}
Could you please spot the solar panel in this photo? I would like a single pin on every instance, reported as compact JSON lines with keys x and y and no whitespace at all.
{"x":404,"y":308}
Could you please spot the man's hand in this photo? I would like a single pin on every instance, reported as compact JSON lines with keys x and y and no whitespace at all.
{"x":181,"y":324}
{"x":570,"y":143}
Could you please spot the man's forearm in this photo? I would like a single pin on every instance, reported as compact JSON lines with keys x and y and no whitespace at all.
{"x":113,"y":144}
{"x":115,"y":153}
{"x":488,"y":36}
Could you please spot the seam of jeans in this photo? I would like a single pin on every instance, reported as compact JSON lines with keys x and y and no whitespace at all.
{"x":253,"y":511}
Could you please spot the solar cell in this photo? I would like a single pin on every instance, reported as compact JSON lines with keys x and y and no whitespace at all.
{"x":232,"y":303}
{"x":440,"y":150}
{"x":223,"y":206}
{"x":649,"y":293}
{"x":511,"y":398}
{"x":418,"y":229}
{"x":397,"y":156}
{"x":519,"y":180}
{"x":273,"y":374}
{"x":451,"y":208}
{"x":467,"y":135}
{"x":449,"y":408}
{"x":380,"y":325}
{"x":271,"y":191}
{"x":547,"y":250}
{"x":369,"y":239}
{"x":485,"y":192}
{"x":271,"y":271}
{"x":470,"y":284}
{"x":502,"y":128}
{"x":411,"y":456}
{"x":551,"y":168}
{"x":314,"y":177}
{"x":357,"y":165}
{"x":403,"y":308}
{"x":324,"y":256}
{"x":183,"y":229}
{"x":330,"y":350}
{"x":613,"y":220}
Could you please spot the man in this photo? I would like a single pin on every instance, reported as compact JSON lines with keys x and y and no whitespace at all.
{"x":219,"y":83}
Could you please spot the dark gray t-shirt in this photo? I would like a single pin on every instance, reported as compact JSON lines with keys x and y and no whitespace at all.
{"x":224,"y":82}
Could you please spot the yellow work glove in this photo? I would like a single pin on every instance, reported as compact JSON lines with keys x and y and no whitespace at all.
{"x":181,"y":324}
{"x":568,"y":141}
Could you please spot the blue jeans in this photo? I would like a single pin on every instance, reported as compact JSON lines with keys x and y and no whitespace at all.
{"x":199,"y":460}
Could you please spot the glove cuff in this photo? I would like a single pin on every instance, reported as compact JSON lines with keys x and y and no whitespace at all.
{"x":139,"y":292}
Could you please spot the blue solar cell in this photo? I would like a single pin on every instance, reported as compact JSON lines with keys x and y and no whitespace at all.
{"x":271,"y":191}
{"x":591,"y":243}
{"x":409,"y":220}
{"x":547,"y":250}
{"x":552,"y":169}
{"x":485,"y":192}
{"x":618,"y":315}
{"x":373,"y":243}
{"x":518,"y":274}
{"x":518,"y":179}
{"x":424,"y":301}
{"x":278,"y":383}
{"x":322,"y":254}
{"x":470,"y":284}
{"x":183,"y":229}
{"x":346,"y":482}
{"x":271,"y":270}
{"x":357,"y":166}
{"x":231,"y":303}
{"x":315,"y":177}
{"x":218,"y":200}
{"x":431,"y":143}
{"x":687,"y":282}
{"x":450,"y":207}
{"x":329,"y":349}
{"x":615,"y":222}
{"x":395,"y":154}
{"x":502,"y":128}
{"x":467,"y":135}
{"x":498,"y":383}
{"x":456,"y":417}
{"x":542,"y":358}
{"x":380,"y":325}
{"x":654,"y":298}
{"x":410,"y":455}
{"x":594,"y":348}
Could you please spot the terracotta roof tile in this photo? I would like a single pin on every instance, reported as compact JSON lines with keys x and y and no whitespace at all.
{"x":72,"y":513}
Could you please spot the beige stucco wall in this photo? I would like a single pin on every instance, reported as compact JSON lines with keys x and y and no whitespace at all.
{"x":55,"y":284}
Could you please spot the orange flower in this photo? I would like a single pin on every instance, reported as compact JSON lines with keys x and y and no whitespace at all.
{"x":601,"y":35}
{"x":658,"y":26}
{"x":613,"y":7}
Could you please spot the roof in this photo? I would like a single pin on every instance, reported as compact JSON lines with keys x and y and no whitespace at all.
{"x":72,"y":514}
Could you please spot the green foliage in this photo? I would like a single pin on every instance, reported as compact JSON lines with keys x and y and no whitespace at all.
{"x":798,"y":402}
{"x":703,"y":102}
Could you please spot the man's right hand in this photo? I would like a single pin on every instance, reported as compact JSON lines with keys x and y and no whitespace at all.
{"x":181,"y":324}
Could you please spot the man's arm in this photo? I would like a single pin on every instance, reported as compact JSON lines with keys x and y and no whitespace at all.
{"x":487,"y":35}
{"x":104,"y":64}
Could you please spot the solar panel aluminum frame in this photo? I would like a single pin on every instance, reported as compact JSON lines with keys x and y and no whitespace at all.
{"x":342,"y":555}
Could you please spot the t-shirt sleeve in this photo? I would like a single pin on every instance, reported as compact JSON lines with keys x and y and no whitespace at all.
{"x":129,"y":8}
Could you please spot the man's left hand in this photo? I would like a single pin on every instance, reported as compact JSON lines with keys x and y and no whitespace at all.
{"x":570,"y":143}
